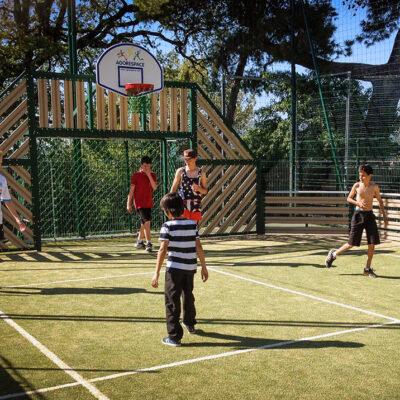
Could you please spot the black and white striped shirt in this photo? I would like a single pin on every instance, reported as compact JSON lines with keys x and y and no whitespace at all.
{"x":182,"y":235}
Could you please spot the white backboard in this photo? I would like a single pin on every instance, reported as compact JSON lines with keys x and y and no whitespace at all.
{"x":128,"y":63}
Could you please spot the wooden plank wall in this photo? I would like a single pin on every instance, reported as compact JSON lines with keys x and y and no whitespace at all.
{"x":169,"y":108}
{"x":306,"y":213}
{"x":14,"y":142}
{"x":392,"y":207}
{"x":230,"y":204}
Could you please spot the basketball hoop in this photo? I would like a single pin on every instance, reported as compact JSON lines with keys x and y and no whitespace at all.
{"x":136,"y":89}
{"x":139,"y":103}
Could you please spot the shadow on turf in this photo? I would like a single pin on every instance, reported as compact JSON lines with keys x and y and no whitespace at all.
{"x":14,"y":383}
{"x":246,"y":342}
{"x":206,"y":321}
{"x":379,"y":276}
{"x":71,"y":291}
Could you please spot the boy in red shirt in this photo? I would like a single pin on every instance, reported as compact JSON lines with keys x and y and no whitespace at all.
{"x":143,"y":184}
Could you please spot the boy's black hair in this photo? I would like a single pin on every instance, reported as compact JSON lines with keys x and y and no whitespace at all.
{"x":173,"y":203}
{"x":366,"y":168}
{"x":145,"y":160}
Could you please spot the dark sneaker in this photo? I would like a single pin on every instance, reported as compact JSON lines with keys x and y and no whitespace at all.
{"x":149,"y":247}
{"x":370,"y":272}
{"x":170,"y":342}
{"x":190,"y":328}
{"x":330,"y":258}
{"x":139,"y":245}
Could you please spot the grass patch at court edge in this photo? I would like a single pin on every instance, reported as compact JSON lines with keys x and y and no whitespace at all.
{"x":115,"y":325}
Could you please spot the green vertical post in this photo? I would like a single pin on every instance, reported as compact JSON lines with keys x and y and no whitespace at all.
{"x":260,"y":199}
{"x":321,"y":96}
{"x":164,"y":153}
{"x":193,"y":118}
{"x":293,"y":142}
{"x":32,"y":125}
{"x":76,"y":143}
{"x":128,"y":177}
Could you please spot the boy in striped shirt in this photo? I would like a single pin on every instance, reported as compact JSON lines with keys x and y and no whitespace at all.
{"x":180,"y":239}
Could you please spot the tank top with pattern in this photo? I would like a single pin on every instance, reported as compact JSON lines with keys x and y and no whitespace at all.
{"x":191,"y":199}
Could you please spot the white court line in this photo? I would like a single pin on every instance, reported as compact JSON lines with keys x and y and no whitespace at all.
{"x":310,"y":296}
{"x":197,"y":360}
{"x":54,"y":358}
{"x":78,"y":280}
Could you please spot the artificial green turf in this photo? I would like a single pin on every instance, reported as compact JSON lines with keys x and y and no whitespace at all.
{"x":101,"y":327}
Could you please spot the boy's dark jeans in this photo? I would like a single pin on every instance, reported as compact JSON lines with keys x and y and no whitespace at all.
{"x":179,"y":282}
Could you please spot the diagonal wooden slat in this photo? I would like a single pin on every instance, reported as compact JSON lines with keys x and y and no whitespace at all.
{"x":244,"y":203}
{"x":202,"y":153}
{"x":13,"y":117}
{"x":153,"y":113}
{"x":22,"y":208}
{"x":251,"y":210}
{"x":22,"y":150}
{"x":218,"y":186}
{"x":23,"y":173}
{"x":203,"y":103}
{"x":219,"y":200}
{"x":10,"y":219}
{"x":229,"y":204}
{"x":22,"y":191}
{"x":208,"y":144}
{"x":216,"y":136}
{"x":214,"y":175}
{"x":13,"y":97}
{"x":15,"y":136}
{"x":16,"y":241}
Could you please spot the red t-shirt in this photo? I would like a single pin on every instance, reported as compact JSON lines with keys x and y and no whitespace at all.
{"x":143,"y":194}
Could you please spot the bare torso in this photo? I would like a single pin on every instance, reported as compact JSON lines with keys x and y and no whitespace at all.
{"x":366,"y":193}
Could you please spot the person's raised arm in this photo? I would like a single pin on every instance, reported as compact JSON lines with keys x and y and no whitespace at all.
{"x":153,"y":182}
{"x":377,"y":195}
{"x":177,"y":181}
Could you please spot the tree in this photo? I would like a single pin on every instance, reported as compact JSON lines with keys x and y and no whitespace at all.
{"x":35,"y":33}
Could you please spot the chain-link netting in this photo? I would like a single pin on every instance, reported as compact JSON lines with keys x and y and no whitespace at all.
{"x":84,"y":186}
{"x":360,"y":84}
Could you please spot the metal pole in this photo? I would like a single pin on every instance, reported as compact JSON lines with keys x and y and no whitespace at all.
{"x":223,"y":94}
{"x":128,"y":177}
{"x":347,"y":130}
{"x":164,"y":152}
{"x":53,"y":205}
{"x":292,"y":172}
{"x":76,"y":143}
{"x":321,"y":96}
{"x":33,"y":155}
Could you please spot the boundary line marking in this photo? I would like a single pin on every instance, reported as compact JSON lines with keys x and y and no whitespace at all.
{"x":199,"y":359}
{"x":310,"y":296}
{"x":54,"y":358}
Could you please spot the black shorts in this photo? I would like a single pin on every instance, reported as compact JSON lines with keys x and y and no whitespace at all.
{"x":144,"y":214}
{"x":363,"y":220}
{"x":2,"y":237}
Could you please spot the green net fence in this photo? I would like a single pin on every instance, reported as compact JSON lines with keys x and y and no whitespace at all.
{"x":84,"y":186}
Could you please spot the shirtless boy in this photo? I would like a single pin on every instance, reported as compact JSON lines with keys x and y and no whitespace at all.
{"x":364,"y":192}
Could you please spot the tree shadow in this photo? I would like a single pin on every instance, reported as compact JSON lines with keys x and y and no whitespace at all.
{"x":240,"y":342}
{"x":15,"y":382}
{"x":71,"y":291}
